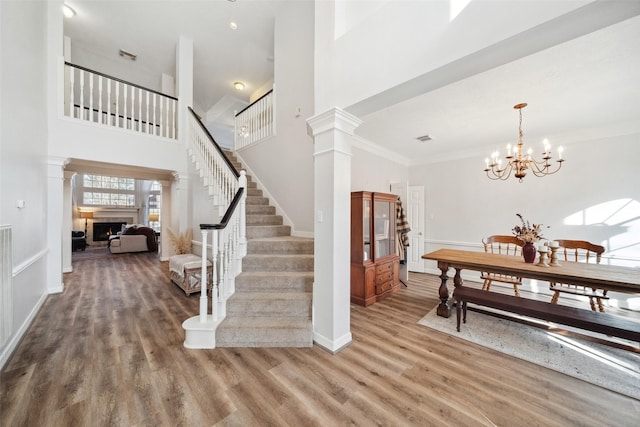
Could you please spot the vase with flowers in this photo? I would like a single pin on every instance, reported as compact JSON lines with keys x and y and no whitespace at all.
{"x":528,"y":234}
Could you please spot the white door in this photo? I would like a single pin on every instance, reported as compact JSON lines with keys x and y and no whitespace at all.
{"x":415,"y":216}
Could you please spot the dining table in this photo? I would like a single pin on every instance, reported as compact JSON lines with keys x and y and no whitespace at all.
{"x":602,"y":276}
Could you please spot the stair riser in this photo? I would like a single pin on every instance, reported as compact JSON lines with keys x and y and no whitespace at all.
{"x":255,"y":232}
{"x":294,"y":263}
{"x":270,"y":308}
{"x":254,"y":192}
{"x":257,"y":338}
{"x":257,"y":201}
{"x":269,"y":282}
{"x":277,"y":247}
{"x":261,"y":210}
{"x":264,"y":220}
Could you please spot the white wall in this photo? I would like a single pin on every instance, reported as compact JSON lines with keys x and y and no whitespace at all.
{"x":371,"y":172}
{"x":23,"y":148}
{"x":595,"y":197}
{"x":284,"y":163}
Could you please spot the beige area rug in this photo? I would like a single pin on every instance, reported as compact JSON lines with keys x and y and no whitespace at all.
{"x":603,"y":365}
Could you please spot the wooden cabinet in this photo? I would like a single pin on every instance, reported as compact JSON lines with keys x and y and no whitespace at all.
{"x":375,"y":264}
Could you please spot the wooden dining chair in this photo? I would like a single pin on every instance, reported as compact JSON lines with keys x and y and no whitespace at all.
{"x":579,"y":251}
{"x":502,"y":245}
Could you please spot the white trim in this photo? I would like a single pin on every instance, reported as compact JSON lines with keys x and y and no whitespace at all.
{"x":17,"y":337}
{"x":332,"y":346}
{"x":29,"y":262}
{"x":366,"y":145}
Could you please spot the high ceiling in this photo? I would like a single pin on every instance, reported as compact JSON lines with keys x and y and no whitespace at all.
{"x":577,"y":90}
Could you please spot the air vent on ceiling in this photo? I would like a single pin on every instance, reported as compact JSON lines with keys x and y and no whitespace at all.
{"x":128,"y":55}
{"x":424,"y":138}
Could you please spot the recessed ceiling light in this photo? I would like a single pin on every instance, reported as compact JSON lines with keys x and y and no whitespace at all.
{"x":238,"y":85}
{"x":424,"y":138}
{"x":233,"y":25}
{"x":67,"y":11}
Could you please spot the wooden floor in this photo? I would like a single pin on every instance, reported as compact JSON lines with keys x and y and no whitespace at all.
{"x":108,"y":351}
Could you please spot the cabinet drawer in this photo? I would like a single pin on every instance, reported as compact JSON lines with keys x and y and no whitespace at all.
{"x":384,"y":277}
{"x":384,"y":268}
{"x":382,"y":287}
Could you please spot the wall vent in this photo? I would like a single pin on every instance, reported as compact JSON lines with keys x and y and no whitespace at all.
{"x":424,"y":138}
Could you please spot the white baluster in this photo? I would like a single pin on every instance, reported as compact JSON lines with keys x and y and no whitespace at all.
{"x":100,"y":100}
{"x":214,"y":280}
{"x":203,"y":278}
{"x":140,"y":110}
{"x":82,"y":116}
{"x":72,"y":101}
{"x":155,"y":115}
{"x":125,"y":115}
{"x":163,"y":127}
{"x":133,"y":107}
{"x":117,"y":118}
{"x":147,"y":106}
{"x":109,"y":102}
{"x":91,"y":77}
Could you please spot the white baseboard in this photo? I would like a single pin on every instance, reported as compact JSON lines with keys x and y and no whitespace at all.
{"x":8,"y":350}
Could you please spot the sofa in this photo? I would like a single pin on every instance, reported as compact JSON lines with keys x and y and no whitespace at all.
{"x":134,"y":239}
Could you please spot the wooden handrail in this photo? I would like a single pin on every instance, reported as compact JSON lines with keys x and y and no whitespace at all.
{"x":227,"y":215}
{"x":119,"y":80}
{"x":215,"y":144}
{"x":253,"y":103}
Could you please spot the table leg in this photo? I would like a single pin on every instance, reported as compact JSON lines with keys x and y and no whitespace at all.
{"x":443,"y":309}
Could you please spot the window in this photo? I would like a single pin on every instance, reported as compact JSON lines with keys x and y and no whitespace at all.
{"x":99,"y":190}
{"x":154,"y":203}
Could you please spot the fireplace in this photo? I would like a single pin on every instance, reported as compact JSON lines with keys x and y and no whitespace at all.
{"x":102,"y":230}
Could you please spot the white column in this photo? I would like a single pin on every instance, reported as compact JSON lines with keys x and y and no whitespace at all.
{"x":67,"y":215}
{"x":55,"y":220}
{"x":181,"y":205}
{"x":165,"y":221}
{"x":332,"y":132}
{"x":184,"y":74}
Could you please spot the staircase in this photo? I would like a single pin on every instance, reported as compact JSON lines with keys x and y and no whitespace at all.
{"x":271,"y":306}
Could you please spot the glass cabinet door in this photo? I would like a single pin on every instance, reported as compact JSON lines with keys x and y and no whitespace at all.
{"x":383,"y":227}
{"x":366,"y":225}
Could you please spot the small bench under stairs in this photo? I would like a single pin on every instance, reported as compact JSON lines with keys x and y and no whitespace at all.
{"x":271,"y":306}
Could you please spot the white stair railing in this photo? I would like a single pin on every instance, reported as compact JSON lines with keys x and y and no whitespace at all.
{"x":256,"y":122}
{"x":95,"y":97}
{"x":227,"y":186}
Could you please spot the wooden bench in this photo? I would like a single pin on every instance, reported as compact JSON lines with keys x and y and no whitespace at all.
{"x":603,"y":323}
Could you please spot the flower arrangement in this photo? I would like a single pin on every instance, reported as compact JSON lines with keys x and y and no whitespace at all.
{"x":181,"y":242}
{"x":526,"y":232}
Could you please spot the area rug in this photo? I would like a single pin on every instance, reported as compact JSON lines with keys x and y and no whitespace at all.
{"x":613,"y":368}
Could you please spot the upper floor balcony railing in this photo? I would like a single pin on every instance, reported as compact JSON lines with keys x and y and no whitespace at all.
{"x":256,"y":122}
{"x":95,"y":97}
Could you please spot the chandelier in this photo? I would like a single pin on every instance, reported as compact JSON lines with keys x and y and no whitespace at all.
{"x":518,"y":162}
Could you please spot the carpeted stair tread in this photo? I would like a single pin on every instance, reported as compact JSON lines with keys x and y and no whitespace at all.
{"x":264,"y":220}
{"x":277,"y":262}
{"x":280,"y":245}
{"x":285,"y":281}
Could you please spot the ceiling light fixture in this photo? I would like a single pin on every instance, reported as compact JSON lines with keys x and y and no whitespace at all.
{"x":519,"y":162}
{"x":67,"y":11}
{"x":233,"y":25}
{"x":238,"y":85}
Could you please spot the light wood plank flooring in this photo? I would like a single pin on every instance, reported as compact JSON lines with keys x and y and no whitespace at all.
{"x":108,"y":351}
